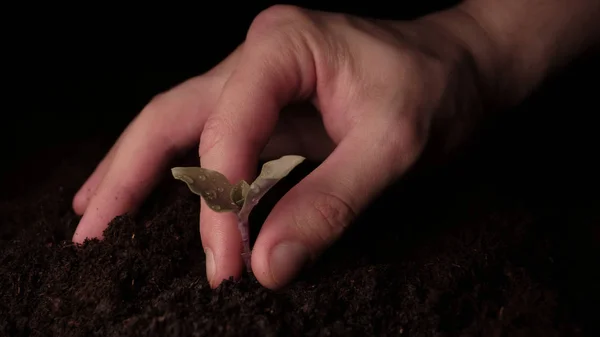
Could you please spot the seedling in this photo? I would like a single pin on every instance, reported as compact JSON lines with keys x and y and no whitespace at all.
{"x":221,"y":196}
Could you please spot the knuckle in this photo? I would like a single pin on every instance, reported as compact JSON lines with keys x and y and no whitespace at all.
{"x":326,"y":218}
{"x":155,"y":104}
{"x":410,"y":66}
{"x":283,"y":28}
{"x":156,"y":112}
{"x":215,"y":128}
{"x":280,"y":41}
{"x":408,"y":142}
{"x":414,"y":138}
{"x":276,"y":18}
{"x":151,"y":115}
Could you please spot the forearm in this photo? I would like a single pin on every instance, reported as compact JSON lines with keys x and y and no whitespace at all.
{"x":517,"y":43}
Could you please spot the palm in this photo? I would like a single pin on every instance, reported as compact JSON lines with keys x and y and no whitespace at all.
{"x":299,"y":131}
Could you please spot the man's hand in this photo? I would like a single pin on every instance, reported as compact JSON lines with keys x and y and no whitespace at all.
{"x":379,"y":86}
{"x":380,"y":89}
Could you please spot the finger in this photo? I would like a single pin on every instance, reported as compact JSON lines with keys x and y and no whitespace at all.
{"x":312,"y":215}
{"x":165,"y":128}
{"x":153,"y":139}
{"x":86,"y":191}
{"x":267,"y":78}
{"x":216,"y":76}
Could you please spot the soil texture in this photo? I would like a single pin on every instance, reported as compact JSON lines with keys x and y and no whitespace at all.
{"x":502,"y":242}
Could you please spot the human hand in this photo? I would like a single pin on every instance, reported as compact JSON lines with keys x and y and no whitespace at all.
{"x":381,"y":90}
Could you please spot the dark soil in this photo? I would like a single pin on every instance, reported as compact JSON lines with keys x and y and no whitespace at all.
{"x":502,"y":242}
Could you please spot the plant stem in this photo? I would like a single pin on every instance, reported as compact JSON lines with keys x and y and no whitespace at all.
{"x":244,"y":228}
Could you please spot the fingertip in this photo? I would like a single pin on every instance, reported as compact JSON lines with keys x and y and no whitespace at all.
{"x":82,"y":198}
{"x":223,"y":270}
{"x":260,"y":268}
{"x":283,"y":248}
{"x":77,"y":238}
{"x":210,"y":266}
{"x":80,"y":201}
{"x":278,"y":266}
{"x":95,"y":219}
{"x":86,"y":230}
{"x":220,"y":267}
{"x":222,"y":246}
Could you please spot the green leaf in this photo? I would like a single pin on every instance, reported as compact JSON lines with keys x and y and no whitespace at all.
{"x":221,"y":196}
{"x":239,"y":192}
{"x":212,"y":186}
{"x":271,"y":173}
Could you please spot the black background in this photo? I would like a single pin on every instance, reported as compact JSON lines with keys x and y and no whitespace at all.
{"x":79,"y":71}
{"x":73,"y":71}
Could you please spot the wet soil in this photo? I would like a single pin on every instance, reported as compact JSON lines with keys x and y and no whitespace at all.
{"x":501,"y":242}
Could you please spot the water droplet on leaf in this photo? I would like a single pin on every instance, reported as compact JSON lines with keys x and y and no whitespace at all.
{"x":202,"y":177}
{"x":216,"y":207}
{"x":220,"y":189}
{"x":210,"y":195}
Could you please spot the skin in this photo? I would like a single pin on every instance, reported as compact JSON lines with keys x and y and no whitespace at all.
{"x":381,"y":90}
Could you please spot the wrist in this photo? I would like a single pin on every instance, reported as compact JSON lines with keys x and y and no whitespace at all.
{"x":515,"y":51}
{"x":500,"y":83}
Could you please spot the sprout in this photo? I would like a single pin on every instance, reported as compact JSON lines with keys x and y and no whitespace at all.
{"x":221,"y":196}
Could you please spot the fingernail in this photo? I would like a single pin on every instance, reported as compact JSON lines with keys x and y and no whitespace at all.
{"x":287,"y":259}
{"x":210,"y":265}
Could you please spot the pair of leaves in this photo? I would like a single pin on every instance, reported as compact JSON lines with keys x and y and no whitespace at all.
{"x":221,"y":196}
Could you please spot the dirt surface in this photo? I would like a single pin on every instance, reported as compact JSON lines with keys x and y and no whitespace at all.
{"x":503,"y":242}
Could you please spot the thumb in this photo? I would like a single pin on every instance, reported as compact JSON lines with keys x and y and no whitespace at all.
{"x":313,"y":214}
